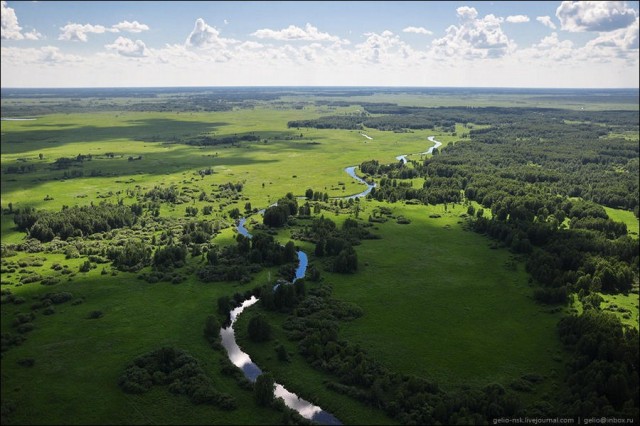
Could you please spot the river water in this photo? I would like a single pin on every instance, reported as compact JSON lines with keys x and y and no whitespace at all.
{"x":243,"y":361}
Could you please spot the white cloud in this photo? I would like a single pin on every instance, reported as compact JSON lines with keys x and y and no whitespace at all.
{"x":621,"y":43}
{"x":205,"y":36}
{"x":11,"y":29}
{"x":474,"y":38}
{"x":551,"y":48}
{"x":385,"y":48}
{"x":129,"y":48}
{"x":417,"y":30}
{"x":546,"y":21}
{"x":517,"y":19}
{"x":292,"y":32}
{"x":466,"y":13}
{"x":78,"y":32}
{"x":131,"y":27}
{"x":47,"y":55}
{"x":33,"y":35}
{"x":595,"y":15}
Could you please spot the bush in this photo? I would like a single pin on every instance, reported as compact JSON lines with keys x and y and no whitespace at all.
{"x":26,"y":362}
{"x":95,"y":315}
{"x":25,"y":328}
{"x":177,"y":369}
{"x":211,"y":329}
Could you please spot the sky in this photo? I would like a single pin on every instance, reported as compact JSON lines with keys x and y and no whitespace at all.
{"x":547,"y":44}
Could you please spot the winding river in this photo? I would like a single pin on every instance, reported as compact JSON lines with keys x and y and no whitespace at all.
{"x":243,"y":361}
{"x":436,"y":145}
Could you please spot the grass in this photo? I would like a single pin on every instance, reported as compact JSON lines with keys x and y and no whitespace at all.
{"x":457,"y":319}
{"x":299,"y":377}
{"x":624,"y":306}
{"x":626,"y":217}
{"x":78,"y":360}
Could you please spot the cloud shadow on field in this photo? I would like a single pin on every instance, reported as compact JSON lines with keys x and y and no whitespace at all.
{"x":24,"y":140}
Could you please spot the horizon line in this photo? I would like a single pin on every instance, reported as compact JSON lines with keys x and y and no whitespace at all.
{"x":318,"y":86}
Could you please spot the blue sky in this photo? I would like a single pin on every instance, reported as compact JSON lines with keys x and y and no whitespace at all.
{"x":470,"y":44}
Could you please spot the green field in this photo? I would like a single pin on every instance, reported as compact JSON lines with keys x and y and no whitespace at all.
{"x":440,"y":301}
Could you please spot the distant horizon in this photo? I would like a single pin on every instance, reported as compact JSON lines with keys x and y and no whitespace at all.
{"x":322,"y":87}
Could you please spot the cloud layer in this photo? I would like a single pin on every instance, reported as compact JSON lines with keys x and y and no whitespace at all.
{"x":474,"y":49}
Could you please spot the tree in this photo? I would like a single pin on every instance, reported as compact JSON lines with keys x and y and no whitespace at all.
{"x":224,"y":305}
{"x":290,"y":252}
{"x":263,"y":389}
{"x":309,"y":194}
{"x":259,"y":329}
{"x":211,"y":328}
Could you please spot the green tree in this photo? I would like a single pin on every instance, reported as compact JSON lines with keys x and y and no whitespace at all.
{"x":211,"y":328}
{"x":259,"y":329}
{"x":263,"y":389}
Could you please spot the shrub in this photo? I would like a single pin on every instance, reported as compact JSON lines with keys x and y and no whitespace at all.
{"x":26,"y":362}
{"x":95,"y":315}
{"x":177,"y":369}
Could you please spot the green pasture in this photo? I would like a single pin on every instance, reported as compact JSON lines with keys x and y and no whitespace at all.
{"x":281,"y":162}
{"x":455,"y":310}
{"x":78,"y":360}
{"x":626,"y":217}
{"x":624,"y":306}
{"x":298,"y":376}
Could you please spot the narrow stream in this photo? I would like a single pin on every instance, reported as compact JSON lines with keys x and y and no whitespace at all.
{"x":243,"y":361}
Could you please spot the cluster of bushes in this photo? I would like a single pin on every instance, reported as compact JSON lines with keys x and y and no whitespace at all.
{"x":132,"y":256}
{"x":248,"y":255}
{"x":179,"y":371}
{"x":73,"y":221}
{"x":277,"y":215}
{"x":337,"y":243}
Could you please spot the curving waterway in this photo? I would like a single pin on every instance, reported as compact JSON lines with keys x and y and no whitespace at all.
{"x":243,"y":361}
{"x":251,"y":370}
{"x":436,"y":145}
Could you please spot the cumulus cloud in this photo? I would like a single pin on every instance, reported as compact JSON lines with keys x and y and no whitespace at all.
{"x":600,"y":16}
{"x":546,"y":21}
{"x":11,"y":29}
{"x":129,"y":48}
{"x":417,"y":30}
{"x":517,"y":19}
{"x":205,"y":36}
{"x":621,"y":43}
{"x":292,"y":32}
{"x":131,"y":27}
{"x":474,"y":37}
{"x":48,"y":55}
{"x":550,"y":47}
{"x":78,"y":32}
{"x":383,"y":48}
